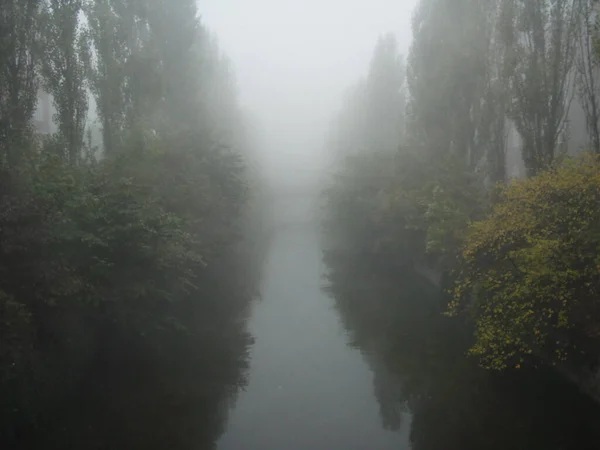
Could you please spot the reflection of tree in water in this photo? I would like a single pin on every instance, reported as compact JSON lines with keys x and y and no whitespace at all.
{"x":169,"y":391}
{"x":361,"y":306}
{"x":418,"y":356}
{"x":388,"y":392}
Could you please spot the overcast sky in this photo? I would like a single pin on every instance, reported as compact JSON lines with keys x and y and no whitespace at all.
{"x":294,"y":58}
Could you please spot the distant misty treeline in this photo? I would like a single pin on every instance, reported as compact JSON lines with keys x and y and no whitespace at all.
{"x":496,"y":80}
{"x":426,"y":152}
{"x":124,"y":257}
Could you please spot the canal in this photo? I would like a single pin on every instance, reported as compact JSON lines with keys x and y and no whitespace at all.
{"x":307,"y":389}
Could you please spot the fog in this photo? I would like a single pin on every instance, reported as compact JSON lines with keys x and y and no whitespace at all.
{"x":295,"y":224}
{"x":294,"y":60}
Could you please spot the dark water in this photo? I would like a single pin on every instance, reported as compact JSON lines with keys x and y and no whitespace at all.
{"x":307,"y":389}
{"x":453,"y":403}
{"x":114,"y":389}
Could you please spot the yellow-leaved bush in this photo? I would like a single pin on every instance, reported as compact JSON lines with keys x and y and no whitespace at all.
{"x":530,"y":271}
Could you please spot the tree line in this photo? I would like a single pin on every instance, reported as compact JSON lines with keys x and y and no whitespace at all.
{"x":123,"y":281}
{"x":424,"y":176}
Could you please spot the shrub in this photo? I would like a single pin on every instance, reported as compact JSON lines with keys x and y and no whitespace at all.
{"x":530,"y":271}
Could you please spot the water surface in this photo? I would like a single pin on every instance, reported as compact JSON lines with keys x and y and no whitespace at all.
{"x":307,"y":388}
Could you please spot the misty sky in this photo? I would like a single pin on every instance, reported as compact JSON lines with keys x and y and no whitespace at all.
{"x":294,"y":59}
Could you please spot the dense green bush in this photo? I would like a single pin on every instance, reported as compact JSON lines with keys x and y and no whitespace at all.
{"x":529,"y":271}
{"x":403,"y":207}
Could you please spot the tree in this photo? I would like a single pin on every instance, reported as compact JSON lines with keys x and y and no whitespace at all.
{"x":540,"y":37}
{"x":366,"y":139}
{"x":373,"y":116}
{"x":587,"y":71}
{"x":347,"y":134}
{"x":122,"y":76}
{"x":173,"y":29}
{"x":64,"y":72}
{"x":217,"y":91}
{"x":385,"y":96}
{"x":106,"y":72}
{"x":448,"y":75}
{"x":493,"y":127}
{"x":19,"y":56}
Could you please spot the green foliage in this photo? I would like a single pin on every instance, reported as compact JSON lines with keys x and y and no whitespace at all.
{"x":457,"y":197}
{"x":129,"y":243}
{"x":355,"y":201}
{"x":403,"y":207}
{"x":529,"y":271}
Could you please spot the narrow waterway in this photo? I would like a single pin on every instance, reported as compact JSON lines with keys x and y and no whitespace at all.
{"x":307,"y":388}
